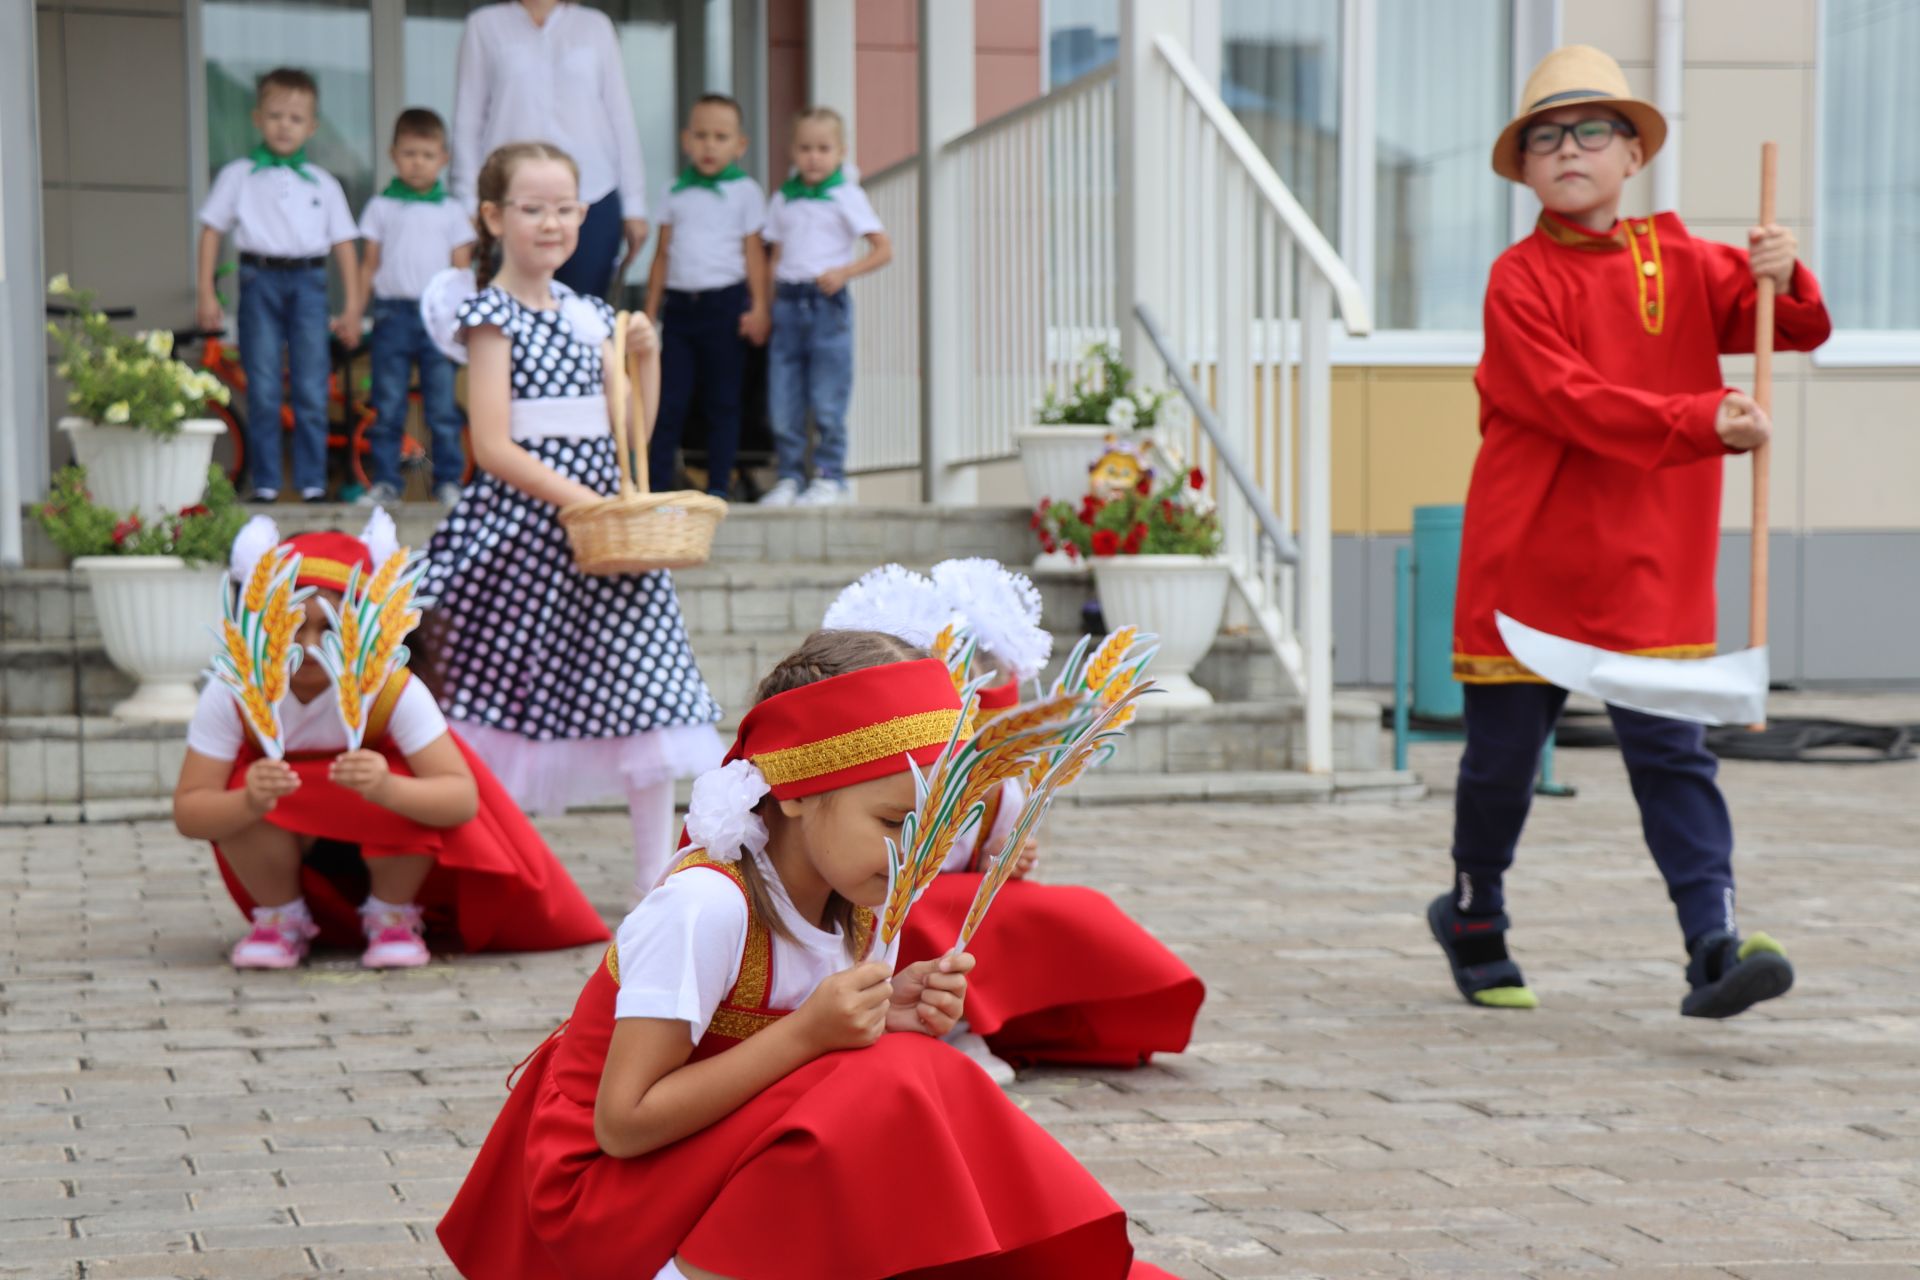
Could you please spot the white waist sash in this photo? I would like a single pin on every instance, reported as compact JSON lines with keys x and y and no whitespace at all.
{"x":558,"y":417}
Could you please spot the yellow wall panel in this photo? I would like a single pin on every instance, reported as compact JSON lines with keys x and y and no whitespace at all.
{"x":1422,"y":434}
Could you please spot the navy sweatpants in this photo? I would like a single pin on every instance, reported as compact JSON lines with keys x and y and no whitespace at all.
{"x":1682,"y":811}
{"x":702,"y":354}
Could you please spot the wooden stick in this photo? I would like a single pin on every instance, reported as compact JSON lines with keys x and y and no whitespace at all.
{"x":642,"y":436}
{"x":1763,"y":396}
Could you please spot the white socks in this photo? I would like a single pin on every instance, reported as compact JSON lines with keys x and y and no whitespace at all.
{"x":651,"y":809}
{"x":286,"y":913}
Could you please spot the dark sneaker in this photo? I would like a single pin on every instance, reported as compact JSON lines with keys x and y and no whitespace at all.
{"x":1729,"y":975}
{"x":1476,"y":948}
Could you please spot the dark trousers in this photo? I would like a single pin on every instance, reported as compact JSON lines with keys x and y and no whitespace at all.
{"x":701,"y":354}
{"x":589,"y":271}
{"x":399,"y":345}
{"x":1682,"y":812}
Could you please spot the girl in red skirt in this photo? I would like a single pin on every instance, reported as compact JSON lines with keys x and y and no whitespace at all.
{"x":409,"y":835}
{"x":1065,"y":976}
{"x":746,"y":1088}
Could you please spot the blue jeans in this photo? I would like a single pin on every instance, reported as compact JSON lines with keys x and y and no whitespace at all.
{"x":598,"y":251}
{"x":399,"y":344}
{"x":810,"y":366}
{"x":1682,"y":813}
{"x":702,"y":353}
{"x":283,"y":315}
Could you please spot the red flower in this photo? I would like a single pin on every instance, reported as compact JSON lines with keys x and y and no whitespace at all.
{"x":1166,"y":510}
{"x":197,"y":509}
{"x":1136,"y":538}
{"x":1105,"y":542}
{"x":125,"y":529}
{"x":1047,"y":544}
{"x":1143,"y":486}
{"x":1073,"y":552}
{"x":1196,"y":479}
{"x":1089,"y":508}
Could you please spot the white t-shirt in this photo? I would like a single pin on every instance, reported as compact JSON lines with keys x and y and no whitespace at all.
{"x":560,"y":82}
{"x":215,"y":729}
{"x":815,"y":236}
{"x":680,"y":949}
{"x":416,"y":238}
{"x":277,"y":213}
{"x":710,"y":228}
{"x":1013,"y":794}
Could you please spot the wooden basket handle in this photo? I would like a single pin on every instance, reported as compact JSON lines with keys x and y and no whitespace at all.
{"x":643,"y":438}
{"x":619,"y":398}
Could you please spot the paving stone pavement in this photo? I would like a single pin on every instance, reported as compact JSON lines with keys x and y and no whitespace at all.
{"x":1340,"y":1113}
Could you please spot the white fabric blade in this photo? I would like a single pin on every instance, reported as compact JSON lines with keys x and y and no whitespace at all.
{"x":1729,"y":688}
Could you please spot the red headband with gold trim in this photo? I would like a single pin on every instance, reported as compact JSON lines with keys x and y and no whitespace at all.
{"x":326,"y":559}
{"x":851,"y":728}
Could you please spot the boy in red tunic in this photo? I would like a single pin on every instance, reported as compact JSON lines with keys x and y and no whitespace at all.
{"x":1594,"y":509}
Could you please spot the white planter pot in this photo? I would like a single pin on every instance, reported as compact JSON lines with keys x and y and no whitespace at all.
{"x":1056,"y":460}
{"x":129,"y":469}
{"x":153,"y":616}
{"x":1180,"y":599}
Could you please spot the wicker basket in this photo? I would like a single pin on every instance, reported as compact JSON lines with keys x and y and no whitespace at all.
{"x":637,"y":531}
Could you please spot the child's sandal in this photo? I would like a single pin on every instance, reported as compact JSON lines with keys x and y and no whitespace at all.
{"x":1485,"y":974}
{"x":1728,"y":975}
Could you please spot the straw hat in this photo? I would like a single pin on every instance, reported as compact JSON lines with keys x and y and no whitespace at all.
{"x":1571,"y":76}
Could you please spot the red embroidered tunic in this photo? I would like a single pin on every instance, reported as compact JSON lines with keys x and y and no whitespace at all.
{"x":1594,"y":510}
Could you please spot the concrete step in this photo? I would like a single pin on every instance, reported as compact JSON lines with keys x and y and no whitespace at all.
{"x":864,"y":535}
{"x":1101,"y":790}
{"x":59,"y":678}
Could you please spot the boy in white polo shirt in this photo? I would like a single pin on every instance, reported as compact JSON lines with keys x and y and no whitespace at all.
{"x":710,"y":268}
{"x":285,"y":214}
{"x":815,"y":225}
{"x":413,"y":231}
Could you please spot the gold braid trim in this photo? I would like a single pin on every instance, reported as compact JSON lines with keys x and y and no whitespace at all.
{"x":315,"y":571}
{"x":857,"y":747}
{"x":1499,"y":668}
{"x":738,"y":1024}
{"x":383,"y":705}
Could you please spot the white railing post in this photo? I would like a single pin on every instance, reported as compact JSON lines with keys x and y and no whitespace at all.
{"x":1144,"y":155}
{"x":1316,"y":516}
{"x":946,"y":293}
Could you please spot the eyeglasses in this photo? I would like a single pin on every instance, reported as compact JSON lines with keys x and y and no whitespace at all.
{"x":568,"y":213}
{"x":1591,"y":135}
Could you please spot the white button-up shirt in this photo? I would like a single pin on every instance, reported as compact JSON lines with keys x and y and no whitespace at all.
{"x":416,"y":240}
{"x":815,"y":236}
{"x":560,"y":82}
{"x":710,"y":228}
{"x":276,"y":213}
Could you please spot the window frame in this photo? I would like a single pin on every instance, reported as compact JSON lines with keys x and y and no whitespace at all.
{"x":1535,"y":30}
{"x":1847,"y":348}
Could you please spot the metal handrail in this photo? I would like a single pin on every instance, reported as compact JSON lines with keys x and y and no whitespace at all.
{"x":1284,"y":546}
{"x":1346,"y":289}
{"x":1033,"y":106}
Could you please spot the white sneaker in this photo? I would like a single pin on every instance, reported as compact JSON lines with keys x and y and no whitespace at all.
{"x":449,"y":495}
{"x":378,"y":494}
{"x":998,"y":1069}
{"x":785,"y":493}
{"x":824,"y":492}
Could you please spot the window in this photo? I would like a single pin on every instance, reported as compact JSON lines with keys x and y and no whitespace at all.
{"x":1868,"y":219}
{"x":245,"y":39}
{"x":1082,"y":36}
{"x":1440,"y":215}
{"x":1410,"y":203}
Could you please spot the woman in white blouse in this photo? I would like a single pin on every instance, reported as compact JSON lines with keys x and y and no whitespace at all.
{"x":549,"y":71}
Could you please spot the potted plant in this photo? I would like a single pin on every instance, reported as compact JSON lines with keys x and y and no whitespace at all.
{"x":1153,"y":551}
{"x":153,"y":583}
{"x":1058,"y":451}
{"x":133,"y":424}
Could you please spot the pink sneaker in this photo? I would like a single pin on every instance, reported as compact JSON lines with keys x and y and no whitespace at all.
{"x":393,"y":939}
{"x":277,"y":942}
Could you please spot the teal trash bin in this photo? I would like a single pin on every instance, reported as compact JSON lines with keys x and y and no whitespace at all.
{"x":1436,"y":571}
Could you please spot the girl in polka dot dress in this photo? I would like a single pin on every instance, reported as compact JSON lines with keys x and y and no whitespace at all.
{"x":572,"y":688}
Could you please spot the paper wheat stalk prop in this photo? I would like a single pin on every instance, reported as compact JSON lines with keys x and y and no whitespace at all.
{"x":257,"y":655}
{"x":951,"y":793}
{"x":1107,"y":687}
{"x":363,"y":650}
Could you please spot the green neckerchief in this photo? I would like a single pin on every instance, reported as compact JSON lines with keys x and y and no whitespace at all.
{"x":794,"y":189}
{"x":265,"y":159}
{"x":692,"y":177}
{"x":398,"y":190}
